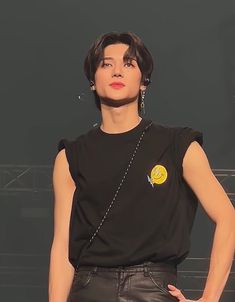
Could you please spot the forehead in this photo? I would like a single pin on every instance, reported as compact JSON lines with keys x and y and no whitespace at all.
{"x":115,"y":51}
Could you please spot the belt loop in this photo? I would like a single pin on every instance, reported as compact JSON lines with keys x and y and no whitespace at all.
{"x":146,"y":269}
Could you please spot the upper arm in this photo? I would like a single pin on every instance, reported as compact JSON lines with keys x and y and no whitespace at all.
{"x":63,"y":187}
{"x":198,"y":174}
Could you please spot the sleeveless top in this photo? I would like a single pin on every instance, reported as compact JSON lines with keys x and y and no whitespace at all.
{"x":152,"y":216}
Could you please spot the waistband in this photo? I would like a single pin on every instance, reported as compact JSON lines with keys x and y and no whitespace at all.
{"x":145,"y":266}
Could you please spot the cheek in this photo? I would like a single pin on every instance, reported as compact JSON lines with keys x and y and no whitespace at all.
{"x":99,"y":77}
{"x":134,"y":80}
{"x":102,"y":79}
{"x":134,"y":85}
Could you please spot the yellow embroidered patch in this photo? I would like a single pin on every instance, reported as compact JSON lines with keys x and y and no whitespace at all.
{"x":158,"y":174}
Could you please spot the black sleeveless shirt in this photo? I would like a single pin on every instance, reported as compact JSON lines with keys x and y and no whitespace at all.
{"x":152,"y":216}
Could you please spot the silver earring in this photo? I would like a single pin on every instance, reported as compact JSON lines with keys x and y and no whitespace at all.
{"x":142,"y":104}
{"x":92,"y":85}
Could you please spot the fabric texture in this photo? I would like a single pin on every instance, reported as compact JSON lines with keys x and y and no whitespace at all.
{"x":152,"y":217}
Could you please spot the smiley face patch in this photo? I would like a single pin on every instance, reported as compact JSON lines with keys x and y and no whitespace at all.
{"x":158,"y":175}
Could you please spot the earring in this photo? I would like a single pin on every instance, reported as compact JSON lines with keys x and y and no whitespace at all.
{"x":92,"y":85}
{"x":142,"y":104}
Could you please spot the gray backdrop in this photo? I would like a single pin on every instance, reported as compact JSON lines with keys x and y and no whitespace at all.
{"x":45,"y":96}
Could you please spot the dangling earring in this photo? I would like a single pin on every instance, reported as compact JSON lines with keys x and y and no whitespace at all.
{"x":142,"y":105}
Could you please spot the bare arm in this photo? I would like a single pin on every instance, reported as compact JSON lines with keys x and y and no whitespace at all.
{"x":61,"y":271}
{"x":198,"y":174}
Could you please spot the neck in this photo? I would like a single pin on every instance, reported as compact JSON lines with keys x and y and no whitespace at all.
{"x":119,"y":123}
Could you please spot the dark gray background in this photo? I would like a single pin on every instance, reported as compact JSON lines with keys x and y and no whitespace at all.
{"x":45,"y":96}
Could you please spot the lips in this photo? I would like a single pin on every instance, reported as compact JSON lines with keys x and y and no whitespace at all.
{"x":117,"y":85}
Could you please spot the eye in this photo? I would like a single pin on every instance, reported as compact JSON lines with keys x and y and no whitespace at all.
{"x":130,"y":64}
{"x":105,"y":64}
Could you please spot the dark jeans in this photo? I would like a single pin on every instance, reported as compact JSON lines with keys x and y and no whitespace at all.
{"x":146,"y":282}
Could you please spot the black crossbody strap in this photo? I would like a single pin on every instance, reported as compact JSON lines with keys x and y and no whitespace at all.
{"x":116,"y":193}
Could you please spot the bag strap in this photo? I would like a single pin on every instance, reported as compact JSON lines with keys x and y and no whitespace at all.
{"x":116,"y":193}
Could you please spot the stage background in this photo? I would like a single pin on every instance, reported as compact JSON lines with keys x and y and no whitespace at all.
{"x":45,"y":97}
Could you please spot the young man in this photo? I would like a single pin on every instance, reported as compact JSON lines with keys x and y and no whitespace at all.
{"x":137,"y":240}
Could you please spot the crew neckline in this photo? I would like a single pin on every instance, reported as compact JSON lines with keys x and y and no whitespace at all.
{"x":129,"y":133}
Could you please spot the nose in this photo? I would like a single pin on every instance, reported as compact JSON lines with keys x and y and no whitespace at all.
{"x":117,"y":71}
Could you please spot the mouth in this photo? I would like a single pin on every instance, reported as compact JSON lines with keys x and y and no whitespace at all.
{"x":117,"y":86}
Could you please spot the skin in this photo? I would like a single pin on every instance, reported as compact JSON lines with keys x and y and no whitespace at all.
{"x":61,"y":271}
{"x":214,"y":200}
{"x":119,"y":108}
{"x":119,"y":112}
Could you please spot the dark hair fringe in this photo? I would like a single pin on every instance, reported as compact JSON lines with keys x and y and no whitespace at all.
{"x":136,"y":49}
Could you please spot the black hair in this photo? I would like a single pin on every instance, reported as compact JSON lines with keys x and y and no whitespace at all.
{"x":136,"y":49}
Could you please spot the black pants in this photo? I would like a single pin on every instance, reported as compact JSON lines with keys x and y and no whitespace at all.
{"x":146,"y":282}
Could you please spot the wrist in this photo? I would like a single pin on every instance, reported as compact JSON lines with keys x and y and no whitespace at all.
{"x":208,"y":299}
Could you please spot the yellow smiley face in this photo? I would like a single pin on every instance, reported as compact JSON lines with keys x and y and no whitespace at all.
{"x":158,"y":174}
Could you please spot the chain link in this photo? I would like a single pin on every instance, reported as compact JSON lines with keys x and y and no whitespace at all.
{"x":115,"y":195}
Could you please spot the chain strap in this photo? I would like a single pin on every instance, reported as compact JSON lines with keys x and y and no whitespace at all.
{"x":115,"y":195}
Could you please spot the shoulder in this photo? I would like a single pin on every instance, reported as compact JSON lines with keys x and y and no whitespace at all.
{"x":166,"y":128}
{"x":66,"y":159}
{"x":179,"y":132}
{"x":166,"y":131}
{"x":61,"y":169}
{"x":178,"y":138}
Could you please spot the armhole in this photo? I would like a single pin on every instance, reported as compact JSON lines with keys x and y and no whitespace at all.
{"x":184,"y":136}
{"x":70,"y":152}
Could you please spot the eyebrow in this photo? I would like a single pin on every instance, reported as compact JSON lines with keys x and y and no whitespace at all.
{"x":110,"y":58}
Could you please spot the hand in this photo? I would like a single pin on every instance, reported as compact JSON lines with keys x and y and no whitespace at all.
{"x":174,"y":291}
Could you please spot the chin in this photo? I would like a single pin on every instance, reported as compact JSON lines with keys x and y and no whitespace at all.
{"x":117,"y":101}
